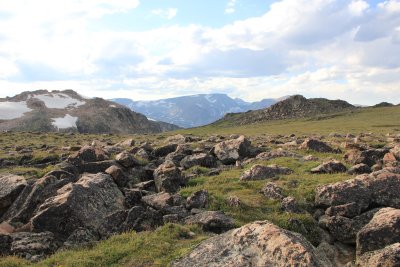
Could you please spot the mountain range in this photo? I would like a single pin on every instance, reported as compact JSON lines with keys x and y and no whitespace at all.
{"x":67,"y":111}
{"x":193,"y":110}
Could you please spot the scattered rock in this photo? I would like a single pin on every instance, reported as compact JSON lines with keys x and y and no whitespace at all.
{"x":316,"y":145}
{"x":359,"y":169}
{"x":33,"y":246}
{"x":10,"y":187}
{"x":260,"y":172}
{"x":168,"y":178}
{"x":332,"y":166}
{"x":160,"y":200}
{"x":256,"y":244}
{"x":87,"y":154}
{"x":126,"y":160}
{"x":197,"y":200}
{"x":289,"y":204}
{"x":200,"y":159}
{"x":272,"y":191}
{"x":381,"y":231}
{"x":118,"y":175}
{"x":212,"y":221}
{"x":164,"y":150}
{"x":231,"y":150}
{"x":277,"y":153}
{"x":234,"y":201}
{"x":388,"y":256}
{"x":369,"y":156}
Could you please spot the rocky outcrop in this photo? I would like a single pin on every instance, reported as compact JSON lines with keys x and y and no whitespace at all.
{"x":231,"y":150}
{"x":260,"y":172}
{"x":256,"y":244}
{"x":10,"y":187}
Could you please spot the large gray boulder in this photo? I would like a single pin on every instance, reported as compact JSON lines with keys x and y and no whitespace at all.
{"x":231,"y":150}
{"x":316,"y":145}
{"x":82,"y":204}
{"x":10,"y":187}
{"x":200,"y":159}
{"x":256,"y":244}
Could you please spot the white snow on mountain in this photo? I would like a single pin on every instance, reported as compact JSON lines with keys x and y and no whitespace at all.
{"x":210,"y":98}
{"x":13,"y":110}
{"x":67,"y":122}
{"x":60,"y":101}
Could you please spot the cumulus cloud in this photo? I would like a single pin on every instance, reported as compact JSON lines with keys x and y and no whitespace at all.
{"x":336,"y":48}
{"x":230,"y":7}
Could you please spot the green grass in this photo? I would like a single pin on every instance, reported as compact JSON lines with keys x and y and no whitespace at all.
{"x":377,"y":120}
{"x":157,"y":248}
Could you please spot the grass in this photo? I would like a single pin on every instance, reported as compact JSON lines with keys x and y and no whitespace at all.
{"x":157,"y":248}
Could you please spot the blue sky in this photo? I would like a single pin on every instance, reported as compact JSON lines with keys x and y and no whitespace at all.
{"x":252,"y":49}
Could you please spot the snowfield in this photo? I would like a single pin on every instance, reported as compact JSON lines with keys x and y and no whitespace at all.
{"x":67,"y":122}
{"x":60,"y":101}
{"x":13,"y":110}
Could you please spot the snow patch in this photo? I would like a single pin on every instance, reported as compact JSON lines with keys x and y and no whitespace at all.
{"x":113,"y":106}
{"x":59,"y":101}
{"x":150,"y":119}
{"x":67,"y":122}
{"x":210,"y":98}
{"x":13,"y":110}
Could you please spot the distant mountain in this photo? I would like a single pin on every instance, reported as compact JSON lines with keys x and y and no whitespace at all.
{"x":193,"y":110}
{"x":68,"y":111}
{"x":295,"y":106}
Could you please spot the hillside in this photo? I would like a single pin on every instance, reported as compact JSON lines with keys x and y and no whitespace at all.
{"x":68,"y":111}
{"x":193,"y":110}
{"x":295,"y":106}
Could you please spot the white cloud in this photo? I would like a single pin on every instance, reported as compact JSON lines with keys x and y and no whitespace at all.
{"x":168,"y":13}
{"x":230,"y":7}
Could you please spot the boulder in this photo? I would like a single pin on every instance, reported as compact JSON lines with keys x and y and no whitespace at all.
{"x":5,"y":244}
{"x":168,"y":178}
{"x":369,"y":156}
{"x":33,"y":246}
{"x":197,"y":200}
{"x":126,"y":160}
{"x":234,"y":201}
{"x":212,"y":221}
{"x":381,"y":231}
{"x":332,"y":166}
{"x":162,"y":151}
{"x":82,"y":204}
{"x":289,"y":204}
{"x":36,"y":194}
{"x":200,"y":159}
{"x":256,"y":244}
{"x":10,"y":187}
{"x":87,"y":154}
{"x":231,"y":150}
{"x":161,"y":200}
{"x":260,"y":172}
{"x":316,"y":145}
{"x":132,"y":197}
{"x":272,"y":191}
{"x":359,"y":169}
{"x":387,"y":256}
{"x":95,"y":167}
{"x":118,"y":175}
{"x":277,"y":153}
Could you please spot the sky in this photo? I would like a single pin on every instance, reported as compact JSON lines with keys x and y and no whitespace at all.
{"x":251,"y":49}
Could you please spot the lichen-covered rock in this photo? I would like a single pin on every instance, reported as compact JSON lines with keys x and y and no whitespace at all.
{"x":118,"y":175}
{"x":82,"y":204}
{"x":200,"y":159}
{"x":332,"y":166}
{"x":369,"y":156}
{"x":168,"y":177}
{"x":387,"y":256}
{"x":161,"y":200}
{"x":87,"y":154}
{"x":162,"y":151}
{"x":10,"y":187}
{"x":212,"y":221}
{"x":231,"y":150}
{"x":359,"y":169}
{"x":260,"y":172}
{"x":272,"y":191}
{"x":256,"y":244}
{"x":289,"y":204}
{"x":316,"y":145}
{"x":277,"y":153}
{"x":197,"y":200}
{"x":381,"y":231}
{"x":33,"y":246}
{"x":126,"y":160}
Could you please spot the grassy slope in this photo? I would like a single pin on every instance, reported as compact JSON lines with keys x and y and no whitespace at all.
{"x":158,"y":248}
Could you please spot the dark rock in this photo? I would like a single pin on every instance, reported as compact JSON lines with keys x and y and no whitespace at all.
{"x":200,"y":159}
{"x":316,"y":145}
{"x":333,"y":166}
{"x":359,"y":169}
{"x":381,"y":231}
{"x":197,"y":200}
{"x":118,"y":175}
{"x":83,"y":204}
{"x":388,"y":256}
{"x":369,"y":157}
{"x":289,"y":204}
{"x":126,"y":160}
{"x":33,"y":246}
{"x":160,"y":200}
{"x":132,"y":197}
{"x":164,"y":150}
{"x":168,"y":178}
{"x":87,"y":154}
{"x":81,"y":237}
{"x":10,"y":187}
{"x":260,"y":172}
{"x":148,"y":186}
{"x":212,"y":221}
{"x":231,"y":150}
{"x":5,"y":244}
{"x":96,"y":167}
